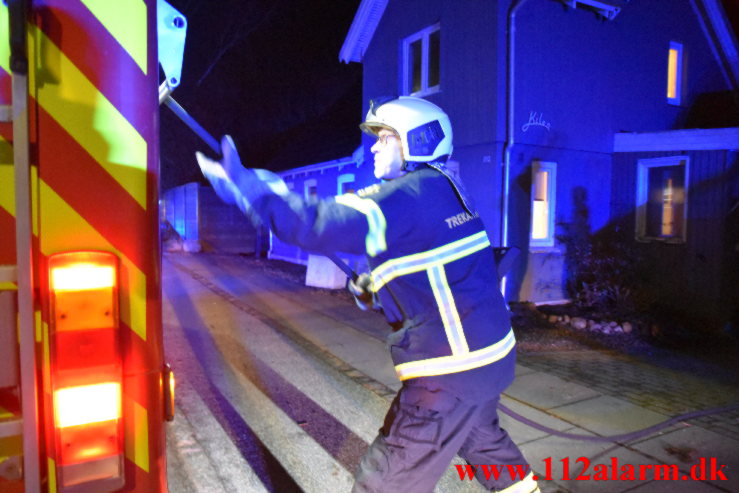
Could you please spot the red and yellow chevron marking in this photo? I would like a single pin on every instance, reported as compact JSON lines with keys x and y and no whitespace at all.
{"x":7,"y":202}
{"x":11,"y":446}
{"x":7,"y":223}
{"x":94,"y":131}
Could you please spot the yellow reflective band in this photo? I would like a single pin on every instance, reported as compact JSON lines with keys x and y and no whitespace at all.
{"x":73,"y":101}
{"x":58,"y":220}
{"x":137,"y":434}
{"x":34,"y":200}
{"x":6,"y":152}
{"x":7,"y":189}
{"x":38,"y":325}
{"x":142,"y":437}
{"x":46,"y":356}
{"x":4,"y":38}
{"x":445,"y":365}
{"x":52,"y":475}
{"x":375,"y":241}
{"x":448,"y":310}
{"x":125,"y":20}
{"x":10,"y":445}
{"x":418,"y":262}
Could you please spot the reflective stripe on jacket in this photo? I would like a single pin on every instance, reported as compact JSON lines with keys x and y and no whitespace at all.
{"x":432,"y":269}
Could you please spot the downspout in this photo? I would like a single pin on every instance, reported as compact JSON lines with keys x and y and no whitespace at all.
{"x":510,"y":103}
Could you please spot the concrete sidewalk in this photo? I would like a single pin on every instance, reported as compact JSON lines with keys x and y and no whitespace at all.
{"x":586,"y":393}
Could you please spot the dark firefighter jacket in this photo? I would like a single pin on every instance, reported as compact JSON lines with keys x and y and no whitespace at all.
{"x":432,"y":270}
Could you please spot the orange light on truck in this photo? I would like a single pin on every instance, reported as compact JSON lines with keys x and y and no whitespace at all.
{"x":87,"y":404}
{"x":82,"y":276}
{"x":168,"y":387}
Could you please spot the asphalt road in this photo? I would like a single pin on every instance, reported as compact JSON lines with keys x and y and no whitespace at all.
{"x":282,"y":387}
{"x":274,"y":391}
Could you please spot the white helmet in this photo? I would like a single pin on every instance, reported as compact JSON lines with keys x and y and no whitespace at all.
{"x":424,"y":129}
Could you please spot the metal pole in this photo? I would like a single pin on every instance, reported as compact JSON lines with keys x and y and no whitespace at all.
{"x":166,"y":98}
{"x":510,"y":130}
{"x":18,"y":15}
{"x":189,"y":121}
{"x":23,"y":237}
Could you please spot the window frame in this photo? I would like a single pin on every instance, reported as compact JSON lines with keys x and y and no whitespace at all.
{"x":551,"y":168}
{"x":678,"y":74}
{"x":344,"y":178}
{"x":642,"y":197}
{"x":307,"y":184}
{"x":407,"y":82}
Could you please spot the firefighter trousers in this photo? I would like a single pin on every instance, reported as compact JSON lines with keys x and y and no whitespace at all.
{"x":423,"y":430}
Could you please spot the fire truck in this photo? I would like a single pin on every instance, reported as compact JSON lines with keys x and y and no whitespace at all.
{"x":84,"y":389}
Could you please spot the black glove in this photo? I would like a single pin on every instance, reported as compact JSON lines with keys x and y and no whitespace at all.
{"x":361,"y":289}
{"x":237,"y":185}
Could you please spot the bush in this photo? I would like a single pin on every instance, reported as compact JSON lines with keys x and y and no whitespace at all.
{"x":607,"y":274}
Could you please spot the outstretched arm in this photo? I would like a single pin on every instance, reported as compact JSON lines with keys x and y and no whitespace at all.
{"x":317,"y":225}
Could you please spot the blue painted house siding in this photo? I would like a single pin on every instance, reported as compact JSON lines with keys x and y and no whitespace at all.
{"x":700,"y":275}
{"x":579,"y":79}
{"x":593,"y":78}
{"x":470,"y":74}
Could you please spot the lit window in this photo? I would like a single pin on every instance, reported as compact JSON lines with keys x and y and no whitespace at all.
{"x":345,"y":183}
{"x":421,"y":67}
{"x":674,"y":73}
{"x":310,"y":188}
{"x":662,"y":199}
{"x":543,"y":186}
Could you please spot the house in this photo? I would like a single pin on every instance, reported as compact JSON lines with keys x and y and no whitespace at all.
{"x":579,"y":114}
{"x":573,"y":120}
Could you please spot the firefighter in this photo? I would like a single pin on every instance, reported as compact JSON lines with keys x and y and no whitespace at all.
{"x":433,"y":275}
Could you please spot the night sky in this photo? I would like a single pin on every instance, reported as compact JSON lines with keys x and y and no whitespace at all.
{"x":268,"y":73}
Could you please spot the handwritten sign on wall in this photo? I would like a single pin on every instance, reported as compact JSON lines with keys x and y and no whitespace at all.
{"x":536,"y":120}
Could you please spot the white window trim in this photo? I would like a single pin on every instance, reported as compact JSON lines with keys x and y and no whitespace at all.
{"x":680,"y":63}
{"x":551,"y":168}
{"x":642,"y":196}
{"x":343,"y":178}
{"x":307,"y":184}
{"x":423,"y":35}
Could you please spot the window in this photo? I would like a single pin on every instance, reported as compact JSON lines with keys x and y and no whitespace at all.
{"x":421,"y":68}
{"x":675,"y":73}
{"x":345,"y":184}
{"x":543,"y":187}
{"x":310,"y":188}
{"x":661,"y":202}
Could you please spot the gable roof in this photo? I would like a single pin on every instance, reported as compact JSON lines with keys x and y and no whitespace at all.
{"x":710,"y":13}
{"x":721,"y":37}
{"x":362,"y":29}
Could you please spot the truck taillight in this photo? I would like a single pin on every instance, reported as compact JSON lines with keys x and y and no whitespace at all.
{"x":86,"y":371}
{"x":87,"y":404}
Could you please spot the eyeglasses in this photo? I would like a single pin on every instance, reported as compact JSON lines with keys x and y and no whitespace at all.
{"x":382,"y":139}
